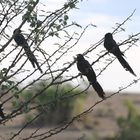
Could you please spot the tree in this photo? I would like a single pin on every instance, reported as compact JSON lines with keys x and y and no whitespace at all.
{"x":41,"y":26}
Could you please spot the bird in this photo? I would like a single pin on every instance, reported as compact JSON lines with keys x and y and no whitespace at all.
{"x":112,"y":47}
{"x":1,"y":111}
{"x":86,"y":69}
{"x":21,"y":41}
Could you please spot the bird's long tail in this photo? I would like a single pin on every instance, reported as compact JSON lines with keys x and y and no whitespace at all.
{"x":97,"y":87}
{"x":125,"y":64}
{"x":31,"y":57}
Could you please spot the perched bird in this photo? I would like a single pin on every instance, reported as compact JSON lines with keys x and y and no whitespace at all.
{"x":1,"y":112}
{"x":86,"y":69}
{"x":112,"y":47}
{"x":21,"y":41}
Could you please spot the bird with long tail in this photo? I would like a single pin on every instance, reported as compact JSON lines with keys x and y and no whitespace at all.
{"x":112,"y":47}
{"x":86,"y":69}
{"x":21,"y":41}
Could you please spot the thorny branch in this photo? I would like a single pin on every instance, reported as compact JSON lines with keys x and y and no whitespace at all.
{"x":48,"y":27}
{"x":59,"y":129}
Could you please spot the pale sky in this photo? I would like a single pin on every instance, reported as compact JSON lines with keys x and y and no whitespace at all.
{"x":104,"y":14}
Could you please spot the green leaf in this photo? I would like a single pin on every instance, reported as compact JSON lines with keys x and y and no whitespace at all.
{"x":51,"y":33}
{"x":39,"y":23}
{"x":58,"y":27}
{"x":4,"y":69}
{"x":10,"y":82}
{"x":65,"y":23}
{"x":60,"y":20}
{"x":66,"y":17}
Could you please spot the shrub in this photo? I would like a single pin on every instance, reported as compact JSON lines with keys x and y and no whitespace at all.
{"x":54,"y":103}
{"x":129,"y":127}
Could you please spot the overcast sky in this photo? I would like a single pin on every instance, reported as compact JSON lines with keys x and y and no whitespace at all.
{"x":105,"y":14}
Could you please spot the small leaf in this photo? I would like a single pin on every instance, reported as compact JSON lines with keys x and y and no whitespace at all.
{"x":4,"y":69}
{"x":65,"y":23}
{"x":66,"y":17}
{"x":51,"y":33}
{"x":60,"y":20}
{"x":58,"y":27}
{"x":39,"y":23}
{"x":10,"y":82}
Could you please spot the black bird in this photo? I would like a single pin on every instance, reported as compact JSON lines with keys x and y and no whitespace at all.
{"x":112,"y":47}
{"x":86,"y":69}
{"x":21,"y":41}
{"x":1,"y":111}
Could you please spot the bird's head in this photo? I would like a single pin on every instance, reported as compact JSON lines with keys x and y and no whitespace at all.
{"x":80,"y":57}
{"x":108,"y":35}
{"x":17,"y":31}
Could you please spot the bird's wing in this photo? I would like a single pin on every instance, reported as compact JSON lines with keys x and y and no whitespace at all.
{"x":116,"y":50}
{"x":85,"y":68}
{"x":20,"y":39}
{"x":111,"y":45}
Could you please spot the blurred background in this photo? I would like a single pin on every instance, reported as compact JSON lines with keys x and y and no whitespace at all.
{"x":66,"y":107}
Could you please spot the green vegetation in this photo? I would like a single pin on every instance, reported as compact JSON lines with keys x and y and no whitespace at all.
{"x":129,"y":127}
{"x":54,"y":103}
